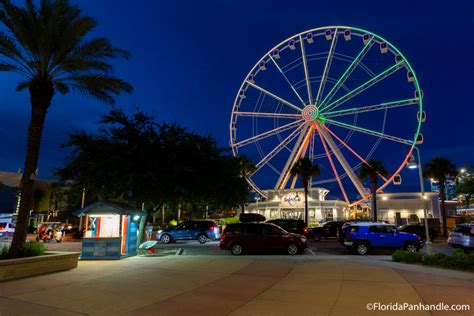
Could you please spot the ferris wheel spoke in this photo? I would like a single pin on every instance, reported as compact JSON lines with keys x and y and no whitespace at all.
{"x":326,"y":67}
{"x":269,"y":115}
{"x":306,"y":73}
{"x":277,"y":149}
{"x":371,"y":132}
{"x":351,"y":150}
{"x":340,"y":82}
{"x":333,"y":167}
{"x":274,"y":96}
{"x":268,"y":133}
{"x":345,"y":165}
{"x":295,"y":154}
{"x":384,"y":74}
{"x":287,"y":80}
{"x":370,"y":108}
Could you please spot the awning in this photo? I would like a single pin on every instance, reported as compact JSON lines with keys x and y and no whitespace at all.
{"x":107,"y":207}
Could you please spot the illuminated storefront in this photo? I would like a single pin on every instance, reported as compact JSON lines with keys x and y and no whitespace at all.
{"x":110,"y":230}
{"x":290,"y":204}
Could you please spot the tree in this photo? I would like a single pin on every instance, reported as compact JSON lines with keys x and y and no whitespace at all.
{"x":47,"y":46}
{"x":306,"y":170}
{"x":466,"y":188}
{"x":372,"y":170}
{"x":440,"y":169}
{"x":2,"y":186}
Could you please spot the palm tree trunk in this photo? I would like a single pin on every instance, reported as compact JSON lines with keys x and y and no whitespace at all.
{"x":374,"y":202}
{"x":306,"y":204}
{"x":35,"y":131}
{"x":442,"y":195}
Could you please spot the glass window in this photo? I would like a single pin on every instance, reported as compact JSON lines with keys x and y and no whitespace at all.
{"x":254,"y":229}
{"x":272,"y":230}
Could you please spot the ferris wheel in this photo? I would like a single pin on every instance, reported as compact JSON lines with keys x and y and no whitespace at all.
{"x":337,"y":95}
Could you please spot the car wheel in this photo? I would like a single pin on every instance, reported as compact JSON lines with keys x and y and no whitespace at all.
{"x":165,"y":239}
{"x":361,"y":248}
{"x":317,"y":237}
{"x":202,"y":239}
{"x":236,"y":249}
{"x":292,"y":249}
{"x":410,"y":247}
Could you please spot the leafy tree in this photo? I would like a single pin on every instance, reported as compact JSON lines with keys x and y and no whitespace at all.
{"x":440,"y":169}
{"x":136,"y":160}
{"x":2,"y":186}
{"x":372,"y":171}
{"x":466,"y":188}
{"x":47,"y":46}
{"x":306,"y":170}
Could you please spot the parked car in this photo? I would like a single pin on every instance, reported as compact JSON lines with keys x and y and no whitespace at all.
{"x":361,"y":237}
{"x":7,"y":229}
{"x":462,"y":236}
{"x":326,"y":230}
{"x":242,"y":237}
{"x":201,"y":231}
{"x":296,"y":226}
{"x":419,"y":230}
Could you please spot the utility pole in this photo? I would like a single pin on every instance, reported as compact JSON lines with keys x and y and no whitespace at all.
{"x":82,"y":206}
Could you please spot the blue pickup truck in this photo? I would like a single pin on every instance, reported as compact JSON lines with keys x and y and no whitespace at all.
{"x":361,"y":237}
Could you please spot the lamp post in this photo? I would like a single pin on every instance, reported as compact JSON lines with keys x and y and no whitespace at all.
{"x":412,"y":165}
{"x":257,"y":198}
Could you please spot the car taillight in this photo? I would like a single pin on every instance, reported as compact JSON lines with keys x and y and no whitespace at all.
{"x":212,"y":228}
{"x":305,"y":230}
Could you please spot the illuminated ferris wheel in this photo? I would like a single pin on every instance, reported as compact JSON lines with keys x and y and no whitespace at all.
{"x":338,"y":95}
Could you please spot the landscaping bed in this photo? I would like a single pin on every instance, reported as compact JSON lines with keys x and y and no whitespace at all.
{"x":459,"y":260}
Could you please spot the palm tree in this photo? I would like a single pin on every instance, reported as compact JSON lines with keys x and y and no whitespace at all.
{"x":439,"y":169}
{"x":466,"y":188}
{"x":372,"y":170}
{"x":306,"y":170}
{"x":47,"y":46}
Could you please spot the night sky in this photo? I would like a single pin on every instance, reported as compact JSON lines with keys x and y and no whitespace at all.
{"x":188,"y":59}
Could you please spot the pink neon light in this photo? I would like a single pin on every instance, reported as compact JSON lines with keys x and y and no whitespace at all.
{"x":352,"y":150}
{"x":333,"y":167}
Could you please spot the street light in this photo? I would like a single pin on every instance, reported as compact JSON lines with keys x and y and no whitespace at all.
{"x":411,"y":164}
{"x":257,"y":198}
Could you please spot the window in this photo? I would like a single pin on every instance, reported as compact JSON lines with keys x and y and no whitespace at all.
{"x":254,"y":229}
{"x":272,"y":230}
{"x":382,"y":229}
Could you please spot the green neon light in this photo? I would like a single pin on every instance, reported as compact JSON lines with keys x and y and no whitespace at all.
{"x":348,"y":69}
{"x":363,"y":85}
{"x":381,"y":104}
{"x":361,"y":129}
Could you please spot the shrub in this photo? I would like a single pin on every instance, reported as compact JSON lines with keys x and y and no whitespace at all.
{"x":406,"y":256}
{"x":33,"y":248}
{"x":172,"y":223}
{"x":4,"y":251}
{"x":458,"y":260}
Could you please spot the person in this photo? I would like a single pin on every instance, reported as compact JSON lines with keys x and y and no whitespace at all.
{"x":149,"y":230}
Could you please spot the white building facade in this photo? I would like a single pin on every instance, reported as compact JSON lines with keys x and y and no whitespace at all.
{"x":289,"y":203}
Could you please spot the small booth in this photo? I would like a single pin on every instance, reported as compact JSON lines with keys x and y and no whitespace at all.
{"x":110,"y":230}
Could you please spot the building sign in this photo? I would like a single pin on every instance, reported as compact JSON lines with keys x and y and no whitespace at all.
{"x":292,"y":198}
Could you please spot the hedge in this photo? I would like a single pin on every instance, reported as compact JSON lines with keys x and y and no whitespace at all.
{"x":458,"y":260}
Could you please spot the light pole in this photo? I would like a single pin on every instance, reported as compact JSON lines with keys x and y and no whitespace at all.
{"x":412,"y":165}
{"x":257,"y":198}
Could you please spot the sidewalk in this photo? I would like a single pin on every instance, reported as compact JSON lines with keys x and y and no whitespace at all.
{"x":211,"y":285}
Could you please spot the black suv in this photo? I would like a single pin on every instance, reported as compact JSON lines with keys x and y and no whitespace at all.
{"x":328,"y":229}
{"x":296,"y":226}
{"x":242,"y":237}
{"x":419,"y":230}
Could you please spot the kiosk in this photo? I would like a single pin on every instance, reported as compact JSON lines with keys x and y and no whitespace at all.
{"x":110,"y":230}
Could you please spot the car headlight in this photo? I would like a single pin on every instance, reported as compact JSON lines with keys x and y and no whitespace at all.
{"x":303,"y":238}
{"x":159,"y":232}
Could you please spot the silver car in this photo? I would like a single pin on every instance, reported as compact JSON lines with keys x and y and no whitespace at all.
{"x":462,"y":236}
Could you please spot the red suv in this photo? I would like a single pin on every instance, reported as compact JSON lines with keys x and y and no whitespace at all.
{"x":242,"y":237}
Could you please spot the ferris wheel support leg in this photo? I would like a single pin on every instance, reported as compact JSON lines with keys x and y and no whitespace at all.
{"x":303,"y":154}
{"x":297,"y":149}
{"x":345,"y":165}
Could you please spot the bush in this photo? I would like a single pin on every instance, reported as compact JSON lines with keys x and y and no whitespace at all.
{"x":411,"y":257}
{"x":33,"y":248}
{"x":458,"y":260}
{"x":4,"y":251}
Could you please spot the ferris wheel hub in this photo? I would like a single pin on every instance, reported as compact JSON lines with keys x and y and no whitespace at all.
{"x":310,"y":113}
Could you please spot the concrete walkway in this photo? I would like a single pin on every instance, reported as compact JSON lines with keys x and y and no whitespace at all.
{"x":210,"y":285}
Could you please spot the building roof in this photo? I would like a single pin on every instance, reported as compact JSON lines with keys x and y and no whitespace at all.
{"x":108,"y":207}
{"x":10,"y":179}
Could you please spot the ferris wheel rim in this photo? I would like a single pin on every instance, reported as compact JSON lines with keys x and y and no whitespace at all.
{"x":337,"y":29}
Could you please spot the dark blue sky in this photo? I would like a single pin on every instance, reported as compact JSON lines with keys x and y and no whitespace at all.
{"x":188,"y":59}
